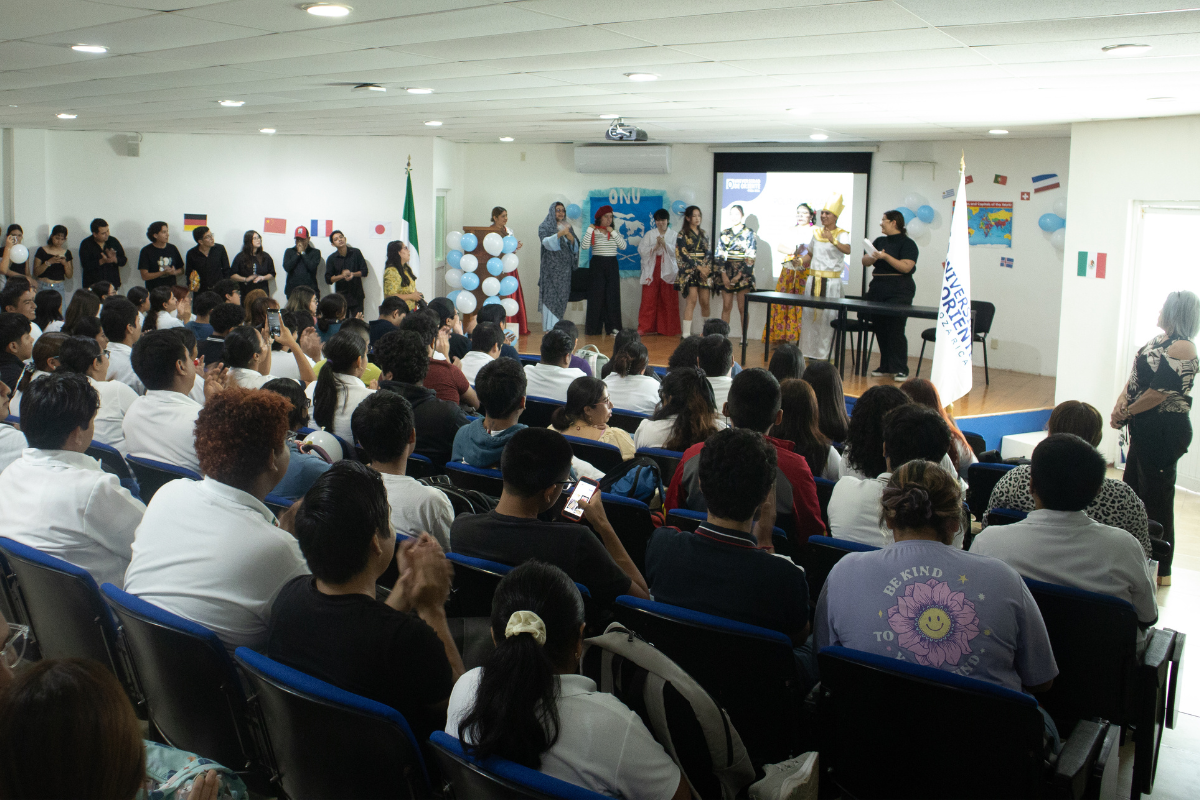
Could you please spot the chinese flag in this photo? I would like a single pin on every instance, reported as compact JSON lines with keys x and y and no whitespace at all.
{"x":274,"y":225}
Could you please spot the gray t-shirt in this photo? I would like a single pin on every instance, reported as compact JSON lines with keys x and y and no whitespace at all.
{"x":941,"y":607}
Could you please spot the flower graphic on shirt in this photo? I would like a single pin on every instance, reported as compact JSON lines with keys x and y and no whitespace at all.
{"x":934,"y":622}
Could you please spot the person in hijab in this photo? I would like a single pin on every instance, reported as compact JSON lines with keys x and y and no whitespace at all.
{"x":560,"y":252}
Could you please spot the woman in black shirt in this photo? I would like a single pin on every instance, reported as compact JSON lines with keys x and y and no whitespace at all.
{"x":892,"y":282}
{"x":159,"y":261}
{"x":53,"y":264}
{"x":253,"y":265}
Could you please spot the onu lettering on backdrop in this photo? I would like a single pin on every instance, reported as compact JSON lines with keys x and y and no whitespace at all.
{"x":624,"y":196}
{"x":633,"y":215}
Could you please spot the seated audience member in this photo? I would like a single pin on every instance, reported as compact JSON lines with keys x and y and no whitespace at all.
{"x":536,"y":465}
{"x":103,"y":290}
{"x":92,"y":329}
{"x":1116,"y":504}
{"x":331,"y":625}
{"x":193,"y":350}
{"x":304,"y":466}
{"x":527,"y":703}
{"x":485,"y":348}
{"x":800,"y":426}
{"x":910,"y":432}
{"x":625,"y":337}
{"x":384,"y":424}
{"x":391,"y":313}
{"x":628,"y":386}
{"x":17,"y":297}
{"x":331,"y":313}
{"x":162,"y":303}
{"x":443,"y":377}
{"x":495,"y":314}
{"x":923,"y":392}
{"x":686,"y":415}
{"x":716,"y":359}
{"x":209,"y":550}
{"x":1060,"y":543}
{"x":863,"y":457}
{"x":572,"y":330}
{"x":371,"y":372}
{"x":248,"y":357}
{"x":552,"y":376}
{"x":12,"y":441}
{"x":45,"y":362}
{"x":160,"y":424}
{"x":83,"y":304}
{"x":223,"y":319}
{"x":339,"y":387}
{"x":47,"y":310}
{"x":83,"y":356}
{"x":16,"y":346}
{"x":942,"y":607}
{"x":58,"y":499}
{"x":720,"y":327}
{"x":754,"y":404}
{"x":725,"y":567}
{"x":501,"y":388}
{"x":118,"y":318}
{"x":448,"y":320}
{"x":284,"y":363}
{"x":787,"y":363}
{"x":229,"y":291}
{"x":404,"y":359}
{"x":202,"y":306}
{"x":586,"y":416}
{"x":826,"y":383}
{"x":140,"y":297}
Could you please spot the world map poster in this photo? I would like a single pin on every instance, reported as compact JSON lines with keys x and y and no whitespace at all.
{"x":989,"y":222}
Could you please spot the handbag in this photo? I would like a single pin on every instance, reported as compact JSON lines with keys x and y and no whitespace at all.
{"x":581,"y":277}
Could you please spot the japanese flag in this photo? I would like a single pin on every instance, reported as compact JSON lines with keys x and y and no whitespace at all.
{"x":381,"y":230}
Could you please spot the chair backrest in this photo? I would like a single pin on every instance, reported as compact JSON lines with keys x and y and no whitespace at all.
{"x":824,"y":492}
{"x":984,"y":312}
{"x":601,"y":455}
{"x":497,"y":778}
{"x":420,"y":466}
{"x":153,"y":475}
{"x":110,"y":459}
{"x":749,"y":671}
{"x":977,"y":442}
{"x":192,"y":691}
{"x":1004,"y":516}
{"x":327,"y":742}
{"x":627,"y":420}
{"x":475,"y":581}
{"x":667,"y":460}
{"x":463,"y":475}
{"x":1094,"y":638}
{"x":871,"y":722}
{"x":982,"y":478}
{"x":819,"y":555}
{"x":633,"y":525}
{"x":349,"y":449}
{"x":685,"y":519}
{"x":538,"y":411}
{"x":277,"y":504}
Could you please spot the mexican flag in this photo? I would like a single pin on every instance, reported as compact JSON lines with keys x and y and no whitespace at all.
{"x":409,"y":234}
{"x":1091,"y":264}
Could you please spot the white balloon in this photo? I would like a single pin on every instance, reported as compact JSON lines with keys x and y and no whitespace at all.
{"x":18,"y":254}
{"x":465,"y":303}
{"x":454,"y":240}
{"x":510,"y":306}
{"x":1059,"y":238}
{"x":510,"y":261}
{"x":327,"y":442}
{"x":491,"y":286}
{"x":916,"y":228}
{"x":494,"y":244}
{"x":1060,"y":207}
{"x":914,"y":201}
{"x":469,"y":263}
{"x":454,"y":278}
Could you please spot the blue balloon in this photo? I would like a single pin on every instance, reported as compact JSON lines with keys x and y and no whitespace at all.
{"x":470,"y":281}
{"x":495,"y":266}
{"x":907,"y":213}
{"x":492,"y":301}
{"x":453,"y":257}
{"x":510,"y":244}
{"x":453,"y":296}
{"x":678,"y":207}
{"x":508,"y":285}
{"x":1051,"y":222}
{"x":574,"y":211}
{"x":469,"y":242}
{"x":925,"y":214}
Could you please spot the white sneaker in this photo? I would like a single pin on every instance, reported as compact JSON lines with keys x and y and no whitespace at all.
{"x":879,"y":373}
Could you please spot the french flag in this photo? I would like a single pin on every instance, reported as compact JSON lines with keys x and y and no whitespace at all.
{"x":314,"y":228}
{"x":1044,"y":183}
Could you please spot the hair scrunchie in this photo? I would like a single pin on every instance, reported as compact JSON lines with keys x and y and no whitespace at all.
{"x":526,"y":622}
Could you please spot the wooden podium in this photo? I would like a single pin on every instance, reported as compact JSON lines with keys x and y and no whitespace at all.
{"x":482,"y":256}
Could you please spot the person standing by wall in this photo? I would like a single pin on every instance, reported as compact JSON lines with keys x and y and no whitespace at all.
{"x":301,"y":262}
{"x":253,"y":265}
{"x":344,"y":270}
{"x":160,"y":261}
{"x":735,"y":262}
{"x":558,"y":261}
{"x":892,"y":282}
{"x":207,"y":262}
{"x":53,"y":263}
{"x":659,"y":311}
{"x":604,"y":289}
{"x":101,"y":256}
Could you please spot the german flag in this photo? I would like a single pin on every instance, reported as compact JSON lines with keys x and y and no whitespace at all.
{"x":193,"y":221}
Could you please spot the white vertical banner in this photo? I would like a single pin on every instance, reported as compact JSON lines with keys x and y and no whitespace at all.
{"x":952,"y":366}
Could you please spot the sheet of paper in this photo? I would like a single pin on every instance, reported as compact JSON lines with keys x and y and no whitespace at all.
{"x":869,"y":248}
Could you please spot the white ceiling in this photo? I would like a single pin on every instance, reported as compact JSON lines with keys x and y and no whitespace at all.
{"x":545,"y":70}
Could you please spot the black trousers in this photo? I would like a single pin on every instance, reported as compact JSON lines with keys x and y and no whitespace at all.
{"x":889,"y":330}
{"x":604,"y":296}
{"x":1157,"y":440}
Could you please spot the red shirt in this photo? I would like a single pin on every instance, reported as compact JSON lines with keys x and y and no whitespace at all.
{"x":447,"y":380}
{"x":795,"y":490}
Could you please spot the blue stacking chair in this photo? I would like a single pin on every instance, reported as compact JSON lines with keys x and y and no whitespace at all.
{"x":819,"y":556}
{"x":475,"y":581}
{"x":633,"y":524}
{"x":627,"y":420}
{"x":688,"y":520}
{"x":982,"y":478}
{"x":498,"y":778}
{"x":153,"y":475}
{"x":1005,"y":516}
{"x":538,"y":411}
{"x":877,"y":737}
{"x":277,"y":504}
{"x":325,"y":742}
{"x":748,"y":670}
{"x":486,"y":481}
{"x":824,"y":492}
{"x":601,"y":455}
{"x":420,"y":466}
{"x":667,"y":460}
{"x":114,"y":463}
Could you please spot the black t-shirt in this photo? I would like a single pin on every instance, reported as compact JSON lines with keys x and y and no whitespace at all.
{"x":54,"y":272}
{"x":363,"y":646}
{"x":203,"y":271}
{"x":212,"y":349}
{"x":154,"y":259}
{"x":89,"y":258}
{"x":899,"y":247}
{"x":437,"y":421}
{"x":354,"y":262}
{"x":571,"y":547}
{"x":459,"y":345}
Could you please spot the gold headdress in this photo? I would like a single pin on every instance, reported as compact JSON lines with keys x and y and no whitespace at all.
{"x":834,"y":205}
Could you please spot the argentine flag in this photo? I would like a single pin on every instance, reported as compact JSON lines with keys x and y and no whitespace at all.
{"x":952,"y":367}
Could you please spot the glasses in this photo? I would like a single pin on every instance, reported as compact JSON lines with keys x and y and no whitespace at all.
{"x":104,"y":353}
{"x":14,"y":648}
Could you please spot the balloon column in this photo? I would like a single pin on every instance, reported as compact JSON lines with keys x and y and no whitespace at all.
{"x":462,"y":275}
{"x":1055,"y":223}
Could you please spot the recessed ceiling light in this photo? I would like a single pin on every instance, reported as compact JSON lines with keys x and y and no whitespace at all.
{"x":1127,"y":49}
{"x":89,"y":48}
{"x":328,"y":9}
{"x":820,"y":137}
{"x":433,"y":123}
{"x":66,"y":116}
{"x":266,"y":130}
{"x":641,"y":77}
{"x":369,"y":87}
{"x":419,"y":91}
{"x":506,"y":138}
{"x":232,"y":103}
{"x":610,"y":116}
{"x":998,"y":131}
{"x":1160,"y":98}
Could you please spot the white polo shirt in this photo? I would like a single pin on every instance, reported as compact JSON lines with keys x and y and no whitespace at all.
{"x":602,"y":745}
{"x":120,"y":368}
{"x":655,"y":432}
{"x":249,"y":378}
{"x":162,"y":426}
{"x":351,"y":392}
{"x":65,"y":505}
{"x":283,"y":365}
{"x":417,"y":507}
{"x":546,"y":380}
{"x":12,"y":442}
{"x":116,"y":398}
{"x":472,"y":362}
{"x":213,"y":554}
{"x":164,"y":321}
{"x":633,"y":393}
{"x":720,"y":386}
{"x":854,"y":510}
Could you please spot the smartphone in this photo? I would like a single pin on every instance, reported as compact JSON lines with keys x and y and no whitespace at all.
{"x":273,"y":324}
{"x":581,"y":494}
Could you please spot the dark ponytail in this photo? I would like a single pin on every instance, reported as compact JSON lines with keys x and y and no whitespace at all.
{"x":631,"y":360}
{"x":898,"y":218}
{"x":342,"y":351}
{"x":688,"y":397}
{"x":582,"y":392}
{"x":515,"y":712}
{"x":158,"y":300}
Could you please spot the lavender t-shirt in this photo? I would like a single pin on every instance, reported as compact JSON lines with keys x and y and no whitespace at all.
{"x":935,"y":605}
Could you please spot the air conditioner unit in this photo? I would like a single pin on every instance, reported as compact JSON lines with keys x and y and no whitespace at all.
{"x":646,"y":159}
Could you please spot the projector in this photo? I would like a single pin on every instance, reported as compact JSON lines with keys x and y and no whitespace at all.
{"x":619,"y":131}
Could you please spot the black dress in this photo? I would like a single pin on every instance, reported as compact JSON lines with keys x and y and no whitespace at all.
{"x":890,"y":285}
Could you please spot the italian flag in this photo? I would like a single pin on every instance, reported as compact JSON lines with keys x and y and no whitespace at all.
{"x":1091,"y":265}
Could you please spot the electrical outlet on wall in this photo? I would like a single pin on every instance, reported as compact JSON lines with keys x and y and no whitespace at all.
{"x":994,"y":343}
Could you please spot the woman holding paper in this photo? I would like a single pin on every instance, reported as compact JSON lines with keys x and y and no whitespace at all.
{"x":825,"y":260}
{"x":895,"y":261}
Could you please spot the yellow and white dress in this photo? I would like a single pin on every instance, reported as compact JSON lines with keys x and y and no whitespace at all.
{"x":824,"y":280}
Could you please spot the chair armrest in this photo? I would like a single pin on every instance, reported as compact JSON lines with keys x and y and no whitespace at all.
{"x":1155,"y":529}
{"x":1081,"y":755}
{"x":1176,"y":674}
{"x":1160,"y":550}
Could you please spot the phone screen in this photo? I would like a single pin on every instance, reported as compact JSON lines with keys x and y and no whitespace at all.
{"x":273,"y":322}
{"x":582,"y":493}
